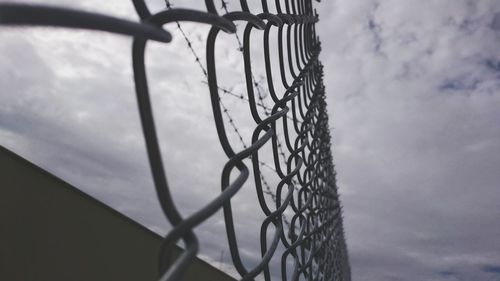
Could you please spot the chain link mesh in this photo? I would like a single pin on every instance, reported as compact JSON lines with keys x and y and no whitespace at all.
{"x":313,"y":238}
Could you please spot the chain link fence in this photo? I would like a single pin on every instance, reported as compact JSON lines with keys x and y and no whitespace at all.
{"x":313,"y":236}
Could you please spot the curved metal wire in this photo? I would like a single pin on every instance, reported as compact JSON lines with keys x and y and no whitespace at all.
{"x":43,"y":15}
{"x":313,"y":240}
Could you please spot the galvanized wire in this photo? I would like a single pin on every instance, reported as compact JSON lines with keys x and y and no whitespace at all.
{"x":313,"y":239}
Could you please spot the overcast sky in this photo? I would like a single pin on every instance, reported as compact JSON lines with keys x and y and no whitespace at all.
{"x":414,"y":100}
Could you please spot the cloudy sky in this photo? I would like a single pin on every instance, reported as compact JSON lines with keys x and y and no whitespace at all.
{"x":414,"y":101}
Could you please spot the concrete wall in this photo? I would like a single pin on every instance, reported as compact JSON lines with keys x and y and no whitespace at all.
{"x":49,"y":230}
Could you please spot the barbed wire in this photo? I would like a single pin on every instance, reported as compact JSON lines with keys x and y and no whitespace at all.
{"x":226,"y":112}
{"x":230,"y":118}
{"x":256,"y":83}
{"x":259,"y":87}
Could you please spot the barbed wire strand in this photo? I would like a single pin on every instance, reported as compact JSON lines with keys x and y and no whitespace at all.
{"x":226,"y":112}
{"x":259,"y":87}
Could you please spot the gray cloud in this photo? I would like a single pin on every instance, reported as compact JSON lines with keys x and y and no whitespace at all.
{"x":495,"y":24}
{"x":415,"y":137}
